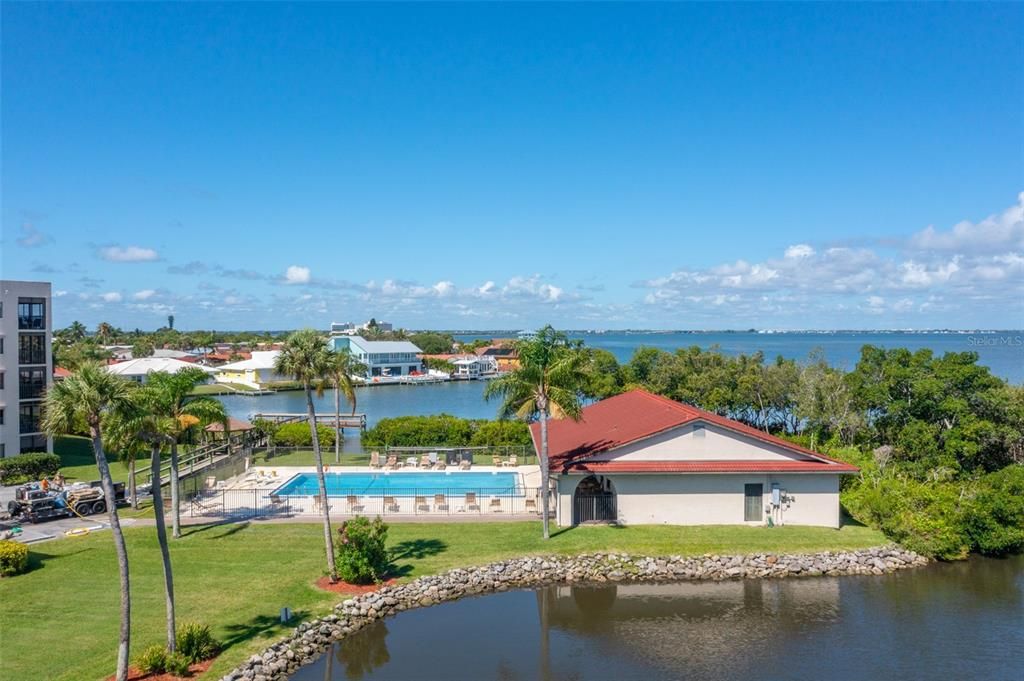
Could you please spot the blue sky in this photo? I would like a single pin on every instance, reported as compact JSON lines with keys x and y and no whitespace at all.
{"x":502,"y":166}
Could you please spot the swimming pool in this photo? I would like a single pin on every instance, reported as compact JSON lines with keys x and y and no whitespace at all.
{"x":403,"y":484}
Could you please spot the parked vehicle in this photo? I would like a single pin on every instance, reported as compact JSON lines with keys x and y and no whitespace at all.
{"x":35,"y":504}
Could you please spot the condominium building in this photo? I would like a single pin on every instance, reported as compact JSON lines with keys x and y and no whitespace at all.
{"x":26,"y":365}
{"x":382,"y":358}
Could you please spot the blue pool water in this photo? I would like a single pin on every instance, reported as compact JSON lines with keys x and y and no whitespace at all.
{"x":403,"y":484}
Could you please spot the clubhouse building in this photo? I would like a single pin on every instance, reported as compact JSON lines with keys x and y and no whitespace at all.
{"x":639,"y":458}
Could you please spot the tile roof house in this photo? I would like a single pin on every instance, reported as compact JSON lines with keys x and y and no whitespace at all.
{"x":640,"y":458}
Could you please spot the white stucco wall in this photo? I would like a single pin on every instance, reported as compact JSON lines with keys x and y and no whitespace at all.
{"x":710,"y":499}
{"x":681,"y":444}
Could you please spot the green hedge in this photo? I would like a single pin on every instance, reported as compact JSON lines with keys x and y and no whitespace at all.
{"x":28,"y":467}
{"x":444,"y":430}
{"x":13,"y":557}
{"x":298,"y":435}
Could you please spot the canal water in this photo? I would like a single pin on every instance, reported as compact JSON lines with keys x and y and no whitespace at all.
{"x":948,"y":621}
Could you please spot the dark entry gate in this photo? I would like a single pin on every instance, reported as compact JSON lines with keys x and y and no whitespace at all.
{"x":593,"y":502}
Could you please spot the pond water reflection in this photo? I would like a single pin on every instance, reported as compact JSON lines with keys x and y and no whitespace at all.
{"x":964,"y":620}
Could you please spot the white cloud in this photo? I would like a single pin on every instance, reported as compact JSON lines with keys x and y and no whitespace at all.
{"x":296,"y":275}
{"x":144,"y":294}
{"x":128,"y":254}
{"x":799,"y":251}
{"x":444,"y":288}
{"x":994,"y":234}
{"x":111,"y":297}
{"x":31,"y":237}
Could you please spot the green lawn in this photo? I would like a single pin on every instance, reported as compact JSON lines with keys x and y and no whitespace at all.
{"x":78,"y":463}
{"x":62,"y":614}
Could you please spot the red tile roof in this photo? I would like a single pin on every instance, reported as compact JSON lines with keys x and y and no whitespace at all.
{"x":638,"y":414}
{"x":707,"y":467}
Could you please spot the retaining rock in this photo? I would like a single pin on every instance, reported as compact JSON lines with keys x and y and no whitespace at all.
{"x":310,"y":640}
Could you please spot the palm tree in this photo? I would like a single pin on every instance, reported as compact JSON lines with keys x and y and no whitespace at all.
{"x":341,"y":366}
{"x":171,"y":397}
{"x":306,"y":358}
{"x":142,"y":425}
{"x":551,"y":374}
{"x":104,"y":332}
{"x":86,"y":396}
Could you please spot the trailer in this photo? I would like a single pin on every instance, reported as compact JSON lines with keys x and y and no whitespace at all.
{"x":33,"y":503}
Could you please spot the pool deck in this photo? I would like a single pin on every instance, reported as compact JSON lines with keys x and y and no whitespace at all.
{"x":251,"y":494}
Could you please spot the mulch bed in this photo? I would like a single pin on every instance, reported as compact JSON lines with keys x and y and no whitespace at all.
{"x":136,"y":675}
{"x":347,"y":589}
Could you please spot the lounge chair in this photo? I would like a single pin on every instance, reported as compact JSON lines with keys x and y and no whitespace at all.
{"x":425,"y":461}
{"x":202,"y":506}
{"x":390,"y":505}
{"x":496,"y":460}
{"x":392,"y":462}
{"x":374,"y":459}
{"x":353,"y":504}
{"x":411,"y":461}
{"x":495,"y":505}
{"x":465,"y":464}
{"x":421,"y":504}
{"x":318,"y":505}
{"x":440,"y":465}
{"x":440,"y":502}
{"x":531,"y":505}
{"x":471,"y":503}
{"x":513,"y":460}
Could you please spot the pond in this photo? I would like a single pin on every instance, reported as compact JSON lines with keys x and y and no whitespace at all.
{"x":962,"y":620}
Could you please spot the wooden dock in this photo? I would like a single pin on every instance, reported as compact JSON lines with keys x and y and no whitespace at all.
{"x":344,"y":421}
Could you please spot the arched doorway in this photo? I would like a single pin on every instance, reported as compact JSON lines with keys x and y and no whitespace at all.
{"x":593,"y":501}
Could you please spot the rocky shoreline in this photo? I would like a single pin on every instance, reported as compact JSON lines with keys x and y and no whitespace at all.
{"x":311,"y":639}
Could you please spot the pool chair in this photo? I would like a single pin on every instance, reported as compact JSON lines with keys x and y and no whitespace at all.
{"x":353,"y":504}
{"x":392,"y":462}
{"x":495,"y":505}
{"x":440,"y":502}
{"x":318,"y":506}
{"x":513,"y":460}
{"x":374,"y":459}
{"x":390,"y":505}
{"x":465,"y":464}
{"x":440,"y":465}
{"x":496,"y":461}
{"x":471,"y":503}
{"x":531,"y":505}
{"x":422,"y":505}
{"x":425,"y":461}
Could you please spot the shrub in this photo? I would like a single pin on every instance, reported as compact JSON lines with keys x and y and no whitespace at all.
{"x":152,"y":660}
{"x":195,"y":642}
{"x":28,"y":467}
{"x":13,"y":558}
{"x":438,"y":430}
{"x":298,"y":435}
{"x":493,"y":433}
{"x":995,"y":519}
{"x":177,"y":664}
{"x":362,"y":554}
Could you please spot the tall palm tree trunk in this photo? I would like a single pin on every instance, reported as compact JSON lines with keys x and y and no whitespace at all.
{"x":122,"y":552}
{"x":165,"y":554}
{"x":132,"y":489}
{"x":544,"y":473}
{"x":337,"y":422}
{"x":175,"y":502}
{"x":328,"y":539}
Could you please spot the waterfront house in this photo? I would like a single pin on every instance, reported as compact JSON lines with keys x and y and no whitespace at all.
{"x":638,"y":458}
{"x":383,"y":359}
{"x":138,"y":369}
{"x":504,"y":354}
{"x":469,"y":367}
{"x":255,"y":372}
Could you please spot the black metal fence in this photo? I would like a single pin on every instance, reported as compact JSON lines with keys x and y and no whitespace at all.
{"x":594,"y":508}
{"x":257,"y":502}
